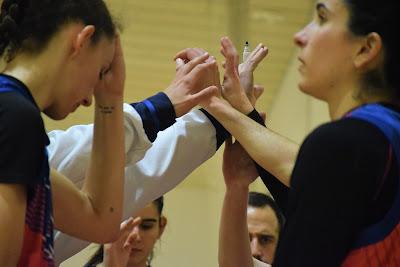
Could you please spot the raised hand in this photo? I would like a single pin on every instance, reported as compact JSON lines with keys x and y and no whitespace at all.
{"x":247,"y":68}
{"x":117,"y":254}
{"x":188,"y":54}
{"x":194,"y":83}
{"x":232,"y":90}
{"x":238,"y":168}
{"x":112,"y":80}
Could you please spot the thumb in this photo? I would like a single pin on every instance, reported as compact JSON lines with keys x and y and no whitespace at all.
{"x":204,"y":95}
{"x":258,"y":90}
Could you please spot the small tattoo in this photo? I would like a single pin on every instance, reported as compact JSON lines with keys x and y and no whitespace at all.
{"x":106,"y":109}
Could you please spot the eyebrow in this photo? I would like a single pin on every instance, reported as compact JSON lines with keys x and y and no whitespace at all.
{"x":149,"y":220}
{"x":267,"y":235}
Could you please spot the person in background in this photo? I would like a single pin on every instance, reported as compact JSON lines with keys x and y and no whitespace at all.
{"x":264,"y":222}
{"x":135,"y":245}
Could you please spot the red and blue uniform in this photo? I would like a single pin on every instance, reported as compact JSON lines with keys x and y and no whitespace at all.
{"x":23,"y":160}
{"x":379,"y":245}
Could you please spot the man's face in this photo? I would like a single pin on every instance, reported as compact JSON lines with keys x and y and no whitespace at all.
{"x":263,"y":232}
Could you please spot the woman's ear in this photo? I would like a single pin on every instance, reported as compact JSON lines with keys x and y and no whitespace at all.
{"x":370,"y":52}
{"x":82,"y":38}
{"x":163,"y":223}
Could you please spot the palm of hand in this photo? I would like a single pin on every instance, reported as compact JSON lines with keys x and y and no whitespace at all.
{"x":112,"y":80}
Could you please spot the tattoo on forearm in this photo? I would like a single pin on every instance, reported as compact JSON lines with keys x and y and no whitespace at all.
{"x":106,"y":109}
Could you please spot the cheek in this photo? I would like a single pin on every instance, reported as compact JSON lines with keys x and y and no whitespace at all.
{"x":327,"y":60}
{"x":150,"y":238}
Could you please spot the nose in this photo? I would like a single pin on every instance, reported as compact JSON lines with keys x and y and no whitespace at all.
{"x":300,"y":38}
{"x":255,"y":248}
{"x":87,"y":101}
{"x":136,"y":231}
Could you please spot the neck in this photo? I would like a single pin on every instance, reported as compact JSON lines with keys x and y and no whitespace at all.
{"x":339,"y":106}
{"x":40,"y":73}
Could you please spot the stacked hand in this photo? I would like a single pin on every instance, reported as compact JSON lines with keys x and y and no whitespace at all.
{"x":195,"y":81}
{"x":246,"y":70}
{"x":238,"y":87}
{"x":238,"y":168}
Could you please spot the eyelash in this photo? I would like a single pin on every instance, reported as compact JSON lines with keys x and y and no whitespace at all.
{"x":146,"y":227}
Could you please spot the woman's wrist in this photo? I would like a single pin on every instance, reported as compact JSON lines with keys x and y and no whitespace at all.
{"x":237,"y":187}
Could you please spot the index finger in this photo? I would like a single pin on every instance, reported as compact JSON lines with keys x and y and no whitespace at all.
{"x":196,"y":61}
{"x":256,"y":56}
{"x":188,"y":54}
{"x":230,"y":54}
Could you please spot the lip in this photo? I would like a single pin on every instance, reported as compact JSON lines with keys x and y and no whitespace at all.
{"x":135,"y":250}
{"x":301,"y":65}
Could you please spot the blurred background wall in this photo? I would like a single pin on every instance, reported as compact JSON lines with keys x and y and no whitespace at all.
{"x":153,"y":32}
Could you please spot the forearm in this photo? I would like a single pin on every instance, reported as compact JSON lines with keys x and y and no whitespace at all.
{"x":278,"y":190}
{"x":105,"y":177}
{"x":272,"y":151}
{"x":234,"y":248}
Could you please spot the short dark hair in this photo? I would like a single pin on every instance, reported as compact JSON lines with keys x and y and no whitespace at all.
{"x":261,"y":200}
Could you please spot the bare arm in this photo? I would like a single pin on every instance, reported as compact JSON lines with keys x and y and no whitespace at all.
{"x":234,"y":247}
{"x":12,"y":219}
{"x":95,"y":212}
{"x":239,"y":171}
{"x":270,"y":150}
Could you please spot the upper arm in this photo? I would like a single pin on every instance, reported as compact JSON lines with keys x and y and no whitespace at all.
{"x":12,"y":220}
{"x":22,"y":144}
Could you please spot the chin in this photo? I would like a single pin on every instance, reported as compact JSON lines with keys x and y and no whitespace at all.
{"x":303,"y":88}
{"x":55,"y":114}
{"x":135,"y":260}
{"x":310,"y":91}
